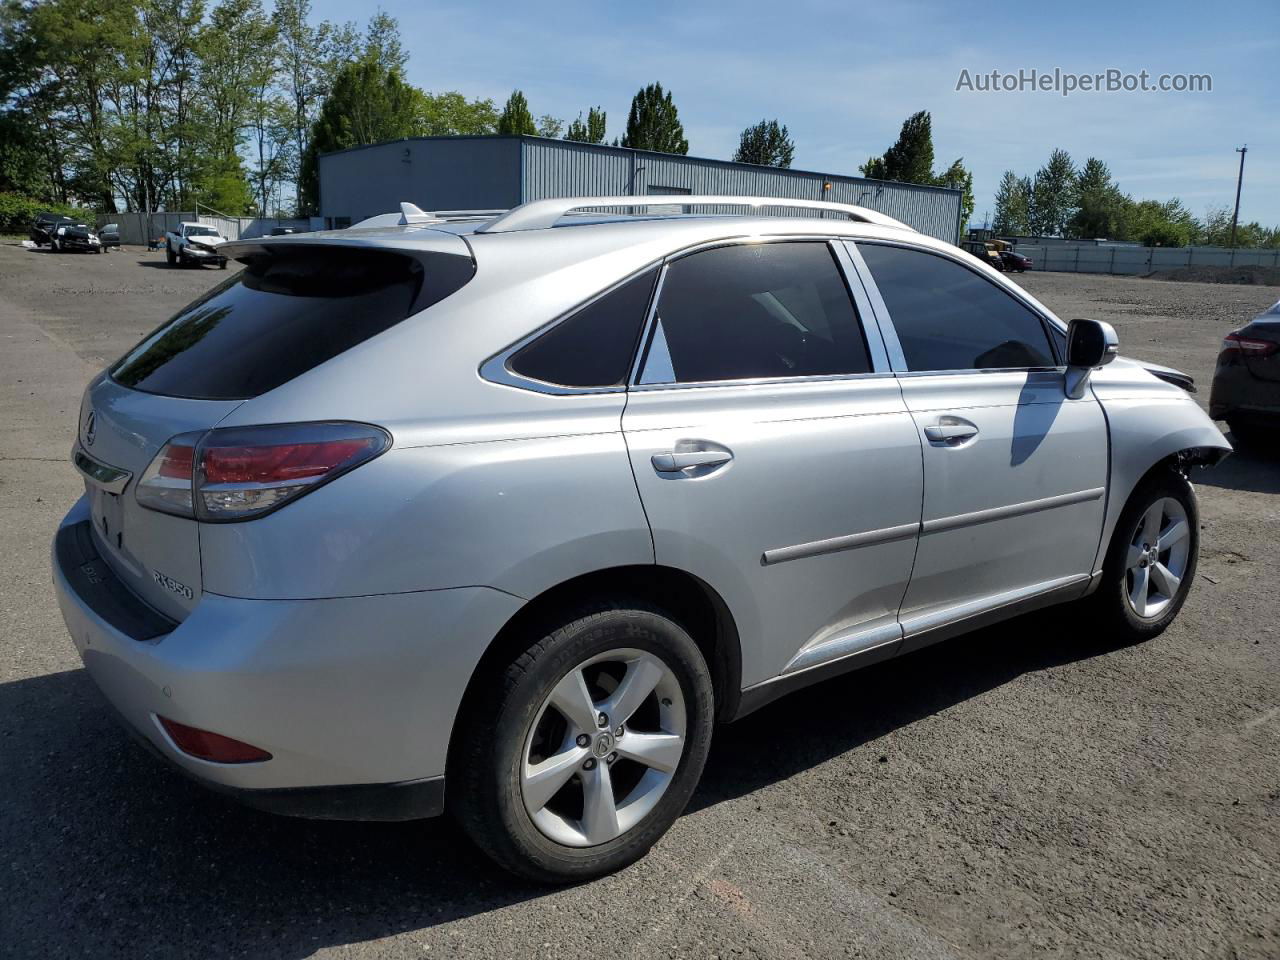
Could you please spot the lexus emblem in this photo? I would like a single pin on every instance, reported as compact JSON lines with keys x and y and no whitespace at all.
{"x":90,"y":429}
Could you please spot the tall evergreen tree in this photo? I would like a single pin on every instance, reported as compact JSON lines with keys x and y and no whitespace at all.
{"x":590,"y":132}
{"x":654,"y":122}
{"x":516,"y":118}
{"x":766,"y":143}
{"x":910,"y":159}
{"x":369,"y":104}
{"x":1099,"y":204}
{"x":958,"y":177}
{"x":1052,"y":195}
{"x":1013,"y":205}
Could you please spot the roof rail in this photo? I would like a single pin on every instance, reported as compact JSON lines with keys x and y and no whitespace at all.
{"x":540,"y":214}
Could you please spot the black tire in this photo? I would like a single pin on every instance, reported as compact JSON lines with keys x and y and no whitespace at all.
{"x":169,"y":255}
{"x":484,"y":784}
{"x":222,"y":264}
{"x":1111,"y":608}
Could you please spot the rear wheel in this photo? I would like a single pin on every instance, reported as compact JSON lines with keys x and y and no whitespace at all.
{"x":1151,"y":562}
{"x":168,"y":255}
{"x":584,"y":750}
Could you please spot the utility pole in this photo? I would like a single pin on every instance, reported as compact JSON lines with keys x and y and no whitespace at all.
{"x":1235,"y":217}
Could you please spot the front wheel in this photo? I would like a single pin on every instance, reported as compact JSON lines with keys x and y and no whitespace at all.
{"x":581,"y":753}
{"x":169,"y":256}
{"x":1151,"y":562}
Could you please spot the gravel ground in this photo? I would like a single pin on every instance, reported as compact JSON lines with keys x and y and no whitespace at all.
{"x":1028,"y":791}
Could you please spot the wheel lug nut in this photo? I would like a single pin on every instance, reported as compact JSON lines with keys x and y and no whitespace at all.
{"x":613,"y":757}
{"x":603,"y":719}
{"x":618,"y":731}
{"x":583,"y":739}
{"x":589,"y":764}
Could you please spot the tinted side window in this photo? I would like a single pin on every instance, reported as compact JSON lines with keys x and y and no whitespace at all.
{"x":594,"y":347}
{"x":284,"y":314}
{"x":755,"y":310}
{"x":949,"y":318}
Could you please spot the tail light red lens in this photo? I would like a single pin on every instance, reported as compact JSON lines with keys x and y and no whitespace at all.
{"x":243,"y":472}
{"x":214,"y":747}
{"x":1249,"y":346}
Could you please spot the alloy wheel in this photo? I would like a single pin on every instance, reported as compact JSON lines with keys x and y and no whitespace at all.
{"x":603,"y":748}
{"x":1156,"y":560}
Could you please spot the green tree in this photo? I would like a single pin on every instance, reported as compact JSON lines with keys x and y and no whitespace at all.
{"x":515,"y":118}
{"x":958,"y":177}
{"x":1013,"y":205}
{"x":654,"y":122}
{"x":592,"y":131}
{"x":910,"y":159}
{"x":1053,"y":195}
{"x":369,"y":103}
{"x":235,"y":49}
{"x":549,"y":126}
{"x":444,"y":114}
{"x":1100,"y":206}
{"x":767,"y":144}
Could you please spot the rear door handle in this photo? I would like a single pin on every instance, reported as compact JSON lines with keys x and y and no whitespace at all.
{"x":685,"y":460}
{"x":951,"y":430}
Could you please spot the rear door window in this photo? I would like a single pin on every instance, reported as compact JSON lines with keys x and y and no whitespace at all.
{"x":755,"y":310}
{"x":283,"y":314}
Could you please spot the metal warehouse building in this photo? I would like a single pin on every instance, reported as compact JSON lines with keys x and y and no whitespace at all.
{"x":483,"y":173}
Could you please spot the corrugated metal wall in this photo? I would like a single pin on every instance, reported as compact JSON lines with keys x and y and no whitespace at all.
{"x":558,"y":168}
{"x":451,"y":173}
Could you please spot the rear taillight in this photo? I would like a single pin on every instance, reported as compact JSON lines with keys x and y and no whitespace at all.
{"x":239,"y":473}
{"x":1249,"y":346}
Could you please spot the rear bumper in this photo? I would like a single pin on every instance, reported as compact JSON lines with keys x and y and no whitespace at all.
{"x":354,"y":698}
{"x":1237,"y":392}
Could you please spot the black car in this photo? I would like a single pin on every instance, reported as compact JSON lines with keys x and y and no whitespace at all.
{"x":44,"y":226}
{"x":109,"y":234}
{"x":1014,"y":261}
{"x":1246,"y":383}
{"x":74,"y":235}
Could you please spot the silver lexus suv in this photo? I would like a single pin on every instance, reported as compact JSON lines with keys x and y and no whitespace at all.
{"x":500,"y":515}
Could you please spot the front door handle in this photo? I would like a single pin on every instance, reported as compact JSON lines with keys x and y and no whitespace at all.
{"x":951,"y":430}
{"x":683,"y":461}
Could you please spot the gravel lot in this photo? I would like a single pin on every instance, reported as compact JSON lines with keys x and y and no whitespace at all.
{"x":1029,"y":791}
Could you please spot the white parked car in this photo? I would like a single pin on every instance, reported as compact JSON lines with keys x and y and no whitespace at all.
{"x":194,"y":243}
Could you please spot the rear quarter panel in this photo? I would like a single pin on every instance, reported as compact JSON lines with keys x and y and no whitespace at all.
{"x":520,"y":515}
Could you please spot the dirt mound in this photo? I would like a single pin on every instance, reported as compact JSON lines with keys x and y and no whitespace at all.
{"x":1252,"y":275}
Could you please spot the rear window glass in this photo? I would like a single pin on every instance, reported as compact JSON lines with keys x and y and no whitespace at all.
{"x":282,"y":315}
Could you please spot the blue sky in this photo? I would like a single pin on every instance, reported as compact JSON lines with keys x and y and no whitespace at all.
{"x":843,"y":76}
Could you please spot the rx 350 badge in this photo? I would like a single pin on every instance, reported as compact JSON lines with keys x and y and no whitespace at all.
{"x":172,"y":585}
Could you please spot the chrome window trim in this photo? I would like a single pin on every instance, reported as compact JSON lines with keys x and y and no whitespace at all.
{"x":890,"y":333}
{"x":101,"y":475}
{"x":879,"y":359}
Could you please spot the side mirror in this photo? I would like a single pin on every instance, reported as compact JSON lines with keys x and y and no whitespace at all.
{"x":1090,"y":344}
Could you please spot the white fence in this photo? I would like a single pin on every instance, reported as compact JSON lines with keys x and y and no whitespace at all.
{"x":1137,"y":261}
{"x":137,"y":228}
